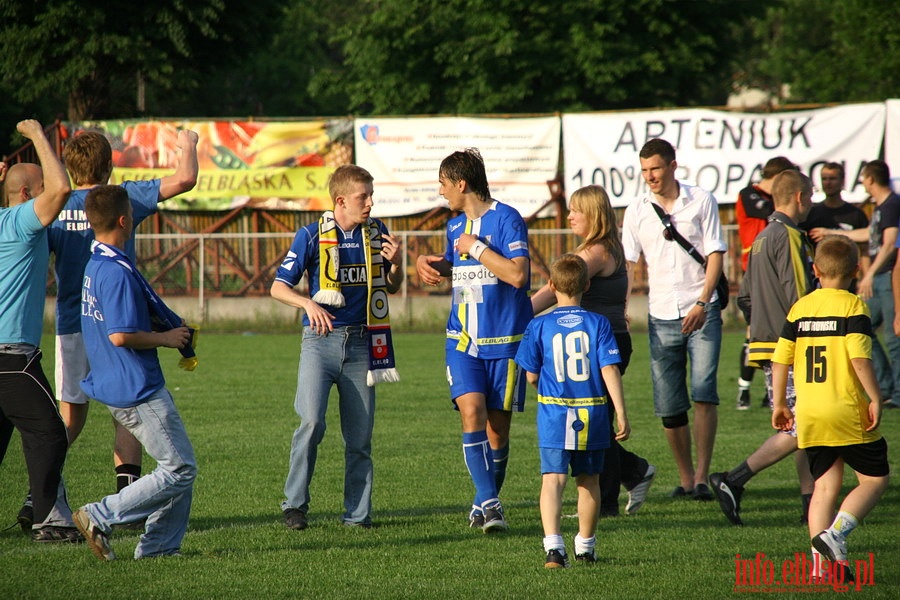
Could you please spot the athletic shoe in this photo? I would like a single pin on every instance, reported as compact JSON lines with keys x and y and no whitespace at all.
{"x":96,"y":539}
{"x":638,"y":493}
{"x":494,"y":519}
{"x":476,"y":519}
{"x":556,"y":560}
{"x":585,"y":558}
{"x":294,"y":518}
{"x":53,"y":533}
{"x":702,"y":493}
{"x":835,"y":550}
{"x":743,"y":399}
{"x":680,"y":492}
{"x":25,"y":518}
{"x":729,"y":497}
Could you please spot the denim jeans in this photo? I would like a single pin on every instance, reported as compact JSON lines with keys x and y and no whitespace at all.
{"x":669,"y":353}
{"x":163,"y":497}
{"x":340,"y":357}
{"x":887,"y":366}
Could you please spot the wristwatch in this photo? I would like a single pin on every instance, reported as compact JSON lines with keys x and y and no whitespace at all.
{"x":704,"y":305}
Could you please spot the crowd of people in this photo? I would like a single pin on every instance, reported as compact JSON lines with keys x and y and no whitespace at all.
{"x":812,"y":318}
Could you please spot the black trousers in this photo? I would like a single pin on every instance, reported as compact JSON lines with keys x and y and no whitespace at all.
{"x":27,"y":403}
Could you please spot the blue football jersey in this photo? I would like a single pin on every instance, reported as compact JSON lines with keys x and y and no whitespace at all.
{"x":567,"y":348}
{"x":488,"y":316}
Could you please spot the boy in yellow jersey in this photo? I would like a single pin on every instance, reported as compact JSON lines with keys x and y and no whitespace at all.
{"x":828,"y":339}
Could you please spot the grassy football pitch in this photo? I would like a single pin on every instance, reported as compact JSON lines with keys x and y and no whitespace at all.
{"x":238,"y":410}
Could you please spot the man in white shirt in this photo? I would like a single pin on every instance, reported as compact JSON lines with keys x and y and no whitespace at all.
{"x":685,"y":320}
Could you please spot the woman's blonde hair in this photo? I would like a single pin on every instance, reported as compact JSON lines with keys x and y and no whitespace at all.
{"x":593,"y":202}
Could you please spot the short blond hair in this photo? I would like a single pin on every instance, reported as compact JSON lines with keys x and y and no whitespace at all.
{"x":569,"y":274}
{"x":837,"y":256}
{"x":341,"y":181}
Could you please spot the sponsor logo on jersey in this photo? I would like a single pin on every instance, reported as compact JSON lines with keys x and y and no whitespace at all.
{"x":817,"y":326}
{"x":473,"y":275}
{"x":518,"y":245}
{"x":353,"y":274}
{"x":452,"y":228}
{"x":570,"y":321}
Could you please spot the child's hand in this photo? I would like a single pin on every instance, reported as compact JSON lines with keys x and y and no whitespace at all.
{"x":874,"y":415}
{"x":624,"y":428}
{"x":782,"y":418}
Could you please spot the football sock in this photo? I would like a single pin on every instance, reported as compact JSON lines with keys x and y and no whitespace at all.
{"x":740,"y":475}
{"x":501,"y":457}
{"x":746,"y":370}
{"x":554,"y":542}
{"x":844,"y":523}
{"x":126,"y":474}
{"x":584,"y":545}
{"x":480,"y":462}
{"x":805,"y":499}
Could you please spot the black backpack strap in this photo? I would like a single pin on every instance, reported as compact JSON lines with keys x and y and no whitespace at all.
{"x":667,"y":223}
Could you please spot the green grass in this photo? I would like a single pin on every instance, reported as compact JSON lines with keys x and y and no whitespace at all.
{"x":238,"y":410}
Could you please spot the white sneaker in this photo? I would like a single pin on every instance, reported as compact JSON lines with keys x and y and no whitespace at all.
{"x":638,"y":493}
{"x":830,"y":546}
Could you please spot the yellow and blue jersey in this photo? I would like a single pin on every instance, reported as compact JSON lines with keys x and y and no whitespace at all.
{"x":568,"y":347}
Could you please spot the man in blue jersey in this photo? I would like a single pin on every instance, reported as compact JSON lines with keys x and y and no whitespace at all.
{"x":570,"y":355}
{"x":123,"y":322}
{"x":488,"y":261}
{"x":351,"y":265}
{"x":88,"y":158}
{"x":32,"y":200}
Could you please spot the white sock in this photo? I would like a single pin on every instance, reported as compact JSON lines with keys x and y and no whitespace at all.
{"x":843,"y":524}
{"x":584,"y":545}
{"x":554,"y":542}
{"x":743,"y":384}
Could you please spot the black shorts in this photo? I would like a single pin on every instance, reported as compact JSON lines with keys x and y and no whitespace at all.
{"x":866,"y":459}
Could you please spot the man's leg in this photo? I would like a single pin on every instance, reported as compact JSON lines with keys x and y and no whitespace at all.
{"x":885,"y":290}
{"x":704,"y":346}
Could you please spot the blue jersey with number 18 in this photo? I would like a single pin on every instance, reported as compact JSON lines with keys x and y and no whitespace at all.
{"x":567,"y":348}
{"x":488,"y":316}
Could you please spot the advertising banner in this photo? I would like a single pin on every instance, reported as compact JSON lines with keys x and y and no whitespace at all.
{"x":720,"y":151}
{"x":892,"y":141}
{"x":260,"y":164}
{"x":404,"y":156}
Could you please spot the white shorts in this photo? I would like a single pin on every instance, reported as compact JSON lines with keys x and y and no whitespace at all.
{"x":71,"y":367}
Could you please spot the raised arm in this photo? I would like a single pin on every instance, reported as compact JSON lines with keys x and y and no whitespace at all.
{"x":185,"y":176}
{"x":48,"y":203}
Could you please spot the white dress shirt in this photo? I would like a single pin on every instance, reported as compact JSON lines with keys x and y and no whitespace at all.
{"x":675,"y":279}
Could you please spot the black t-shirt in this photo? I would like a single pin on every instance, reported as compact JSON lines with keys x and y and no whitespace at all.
{"x":845,"y":217}
{"x":885,"y":215}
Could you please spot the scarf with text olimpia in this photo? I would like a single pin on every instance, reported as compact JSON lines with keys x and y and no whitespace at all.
{"x":382,"y":368}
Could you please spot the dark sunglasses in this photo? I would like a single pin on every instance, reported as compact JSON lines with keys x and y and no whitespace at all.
{"x":667,"y":223}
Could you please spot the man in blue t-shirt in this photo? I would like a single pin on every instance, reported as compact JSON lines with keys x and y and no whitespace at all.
{"x":488,"y":262}
{"x":88,"y":158}
{"x":32,"y":200}
{"x":123,"y":323}
{"x":351,"y":263}
{"x":570,"y":355}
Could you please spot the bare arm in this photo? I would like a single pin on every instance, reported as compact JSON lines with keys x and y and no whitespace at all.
{"x":782,"y":417}
{"x":432,"y":267}
{"x":185,"y":176}
{"x":612,"y":379}
{"x":319,"y":318}
{"x":532,"y":378}
{"x":145,"y":340}
{"x":392,"y":251}
{"x":696,"y":316}
{"x":514,"y":271}
{"x":866,"y":374}
{"x":889,"y":238}
{"x":48,"y":203}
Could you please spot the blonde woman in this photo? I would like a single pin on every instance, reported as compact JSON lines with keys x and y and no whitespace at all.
{"x":591,"y":217}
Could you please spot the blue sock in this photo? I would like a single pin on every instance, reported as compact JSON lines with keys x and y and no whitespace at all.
{"x":480,"y":462}
{"x":501,"y":457}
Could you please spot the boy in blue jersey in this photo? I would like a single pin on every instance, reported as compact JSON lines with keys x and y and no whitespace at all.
{"x":570,"y":355}
{"x":32,"y":200}
{"x":351,"y":264}
{"x":488,"y":261}
{"x":123,"y":323}
{"x":88,"y":158}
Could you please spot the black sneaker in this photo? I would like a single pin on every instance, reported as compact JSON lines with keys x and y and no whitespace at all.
{"x":494,"y":519}
{"x":476,"y":519}
{"x":556,"y":560}
{"x":25,"y":518}
{"x":702,"y":493}
{"x":586,"y":558}
{"x":96,"y":539}
{"x":56,"y":534}
{"x":680,"y":492}
{"x":638,"y":493}
{"x":729,"y":497}
{"x":294,"y":518}
{"x":743,"y":399}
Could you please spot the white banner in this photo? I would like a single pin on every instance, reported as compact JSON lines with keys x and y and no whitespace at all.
{"x":719,"y":150}
{"x":892,"y":141}
{"x":404,"y":155}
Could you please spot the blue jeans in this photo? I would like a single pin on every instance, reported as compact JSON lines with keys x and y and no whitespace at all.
{"x":669,"y":353}
{"x":881,"y":305}
{"x":340,"y":358}
{"x":163,"y":497}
